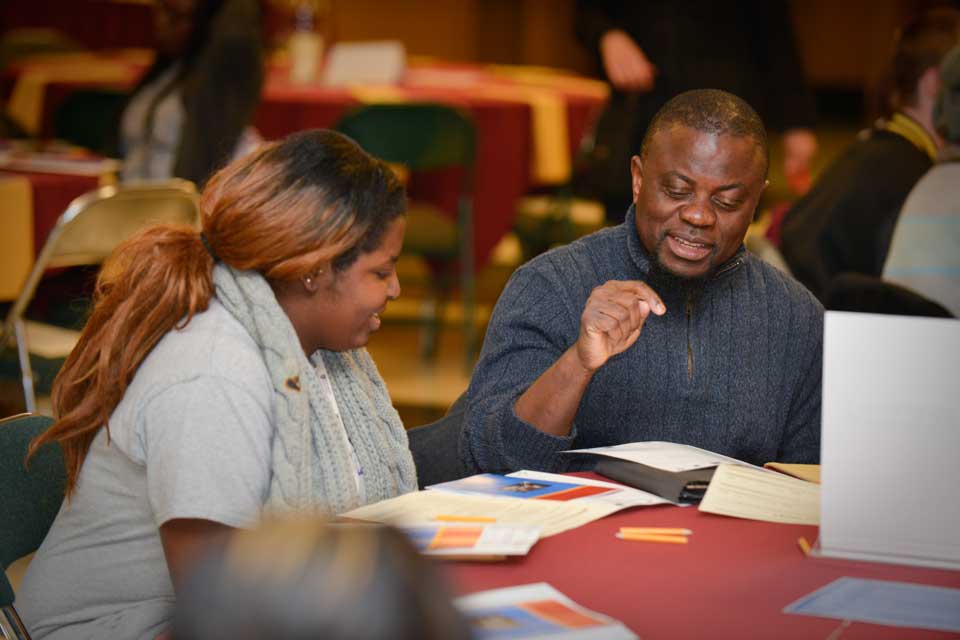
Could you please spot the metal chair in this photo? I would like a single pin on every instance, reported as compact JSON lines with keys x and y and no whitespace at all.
{"x":426,"y":136}
{"x":30,"y":498}
{"x":85,"y":234}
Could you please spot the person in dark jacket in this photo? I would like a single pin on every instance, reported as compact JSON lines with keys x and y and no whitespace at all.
{"x":846,"y":221}
{"x":191,"y":111}
{"x":652,"y":50}
{"x":662,"y":328}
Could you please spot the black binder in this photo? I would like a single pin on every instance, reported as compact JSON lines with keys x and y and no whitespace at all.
{"x":685,"y":487}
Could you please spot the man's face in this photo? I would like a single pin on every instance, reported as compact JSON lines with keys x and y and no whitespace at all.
{"x":695,"y":194}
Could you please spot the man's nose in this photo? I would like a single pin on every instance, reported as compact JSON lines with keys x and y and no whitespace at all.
{"x":699,"y":213}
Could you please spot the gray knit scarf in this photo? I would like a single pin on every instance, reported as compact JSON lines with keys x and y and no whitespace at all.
{"x":312,"y":463}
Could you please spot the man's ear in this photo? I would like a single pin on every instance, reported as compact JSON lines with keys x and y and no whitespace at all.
{"x":636,"y":175}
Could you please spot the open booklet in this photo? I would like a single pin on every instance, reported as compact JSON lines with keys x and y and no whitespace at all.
{"x":534,"y":611}
{"x":586,"y":501}
{"x":679,"y":473}
{"x":685,"y":474}
{"x":539,"y":485}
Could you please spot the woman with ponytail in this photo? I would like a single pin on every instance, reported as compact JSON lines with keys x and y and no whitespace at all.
{"x":222,"y":374}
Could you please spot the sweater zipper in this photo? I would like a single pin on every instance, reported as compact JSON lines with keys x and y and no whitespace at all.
{"x":688,"y":311}
{"x":689,"y":314}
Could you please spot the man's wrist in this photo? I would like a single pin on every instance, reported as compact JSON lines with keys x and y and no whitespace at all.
{"x":575,"y":365}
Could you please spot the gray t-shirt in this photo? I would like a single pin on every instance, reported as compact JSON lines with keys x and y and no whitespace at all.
{"x":925,"y":251}
{"x":190,"y":439}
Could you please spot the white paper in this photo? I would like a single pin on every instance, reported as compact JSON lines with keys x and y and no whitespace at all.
{"x":668,"y":456}
{"x":496,"y":605}
{"x":433,"y":539}
{"x":898,"y":604}
{"x":744,"y":492}
{"x":891,"y":439}
{"x":355,"y":63}
{"x":52,"y":162}
{"x":619,"y":495}
{"x":424,"y":506}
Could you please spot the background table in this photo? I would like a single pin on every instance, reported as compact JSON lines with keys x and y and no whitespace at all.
{"x":529,"y":121}
{"x":52,"y":192}
{"x":731,"y":581}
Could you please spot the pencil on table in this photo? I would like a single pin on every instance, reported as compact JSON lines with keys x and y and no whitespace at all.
{"x":634,"y":537}
{"x":804,"y":546}
{"x":657,"y":531}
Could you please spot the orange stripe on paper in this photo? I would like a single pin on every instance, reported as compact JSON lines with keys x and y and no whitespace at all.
{"x":575,"y":492}
{"x":456,"y":537}
{"x":559,"y":613}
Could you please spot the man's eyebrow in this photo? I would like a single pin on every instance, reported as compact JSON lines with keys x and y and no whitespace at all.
{"x":673,"y":174}
{"x":731,"y":186}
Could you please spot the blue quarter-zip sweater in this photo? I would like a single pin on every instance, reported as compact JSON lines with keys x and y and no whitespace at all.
{"x":733,"y":366}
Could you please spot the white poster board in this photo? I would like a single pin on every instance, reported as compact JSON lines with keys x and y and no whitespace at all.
{"x":890,"y":450}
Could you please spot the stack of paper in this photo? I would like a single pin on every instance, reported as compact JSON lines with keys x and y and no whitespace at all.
{"x":536,"y":611}
{"x":430,"y":506}
{"x":54,"y":162}
{"x":745,"y":492}
{"x":472,"y":540}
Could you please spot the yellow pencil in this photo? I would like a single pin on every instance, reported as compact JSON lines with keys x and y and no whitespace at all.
{"x":657,"y":531}
{"x":804,"y":546}
{"x":652,"y":538}
{"x":447,"y":518}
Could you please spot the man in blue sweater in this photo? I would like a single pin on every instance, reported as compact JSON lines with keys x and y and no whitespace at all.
{"x":662,"y":328}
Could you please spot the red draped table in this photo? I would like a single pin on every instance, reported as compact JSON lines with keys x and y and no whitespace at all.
{"x":529,"y":122}
{"x":731,"y":581}
{"x":52,"y":192}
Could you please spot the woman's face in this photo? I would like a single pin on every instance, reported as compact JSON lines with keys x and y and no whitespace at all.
{"x":339,"y":311}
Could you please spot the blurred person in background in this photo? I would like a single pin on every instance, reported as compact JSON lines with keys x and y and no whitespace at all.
{"x":222,"y":373}
{"x":653,"y":50}
{"x":191,"y":111}
{"x":846,"y":220}
{"x":302,"y":579}
{"x":925,"y":250}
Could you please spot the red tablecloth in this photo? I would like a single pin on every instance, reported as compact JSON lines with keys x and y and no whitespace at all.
{"x":731,"y":581}
{"x":52,"y":192}
{"x":503,"y":120}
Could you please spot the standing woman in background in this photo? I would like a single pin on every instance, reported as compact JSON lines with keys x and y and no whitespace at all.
{"x":220,"y":373}
{"x":191,"y":111}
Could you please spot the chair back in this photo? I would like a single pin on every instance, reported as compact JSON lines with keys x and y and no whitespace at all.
{"x":436,"y":447}
{"x":421,"y":136}
{"x":30,"y":495}
{"x":96,"y":222}
{"x":869,"y":294}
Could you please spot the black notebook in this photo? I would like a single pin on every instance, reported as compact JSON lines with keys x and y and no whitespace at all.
{"x":685,"y":487}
